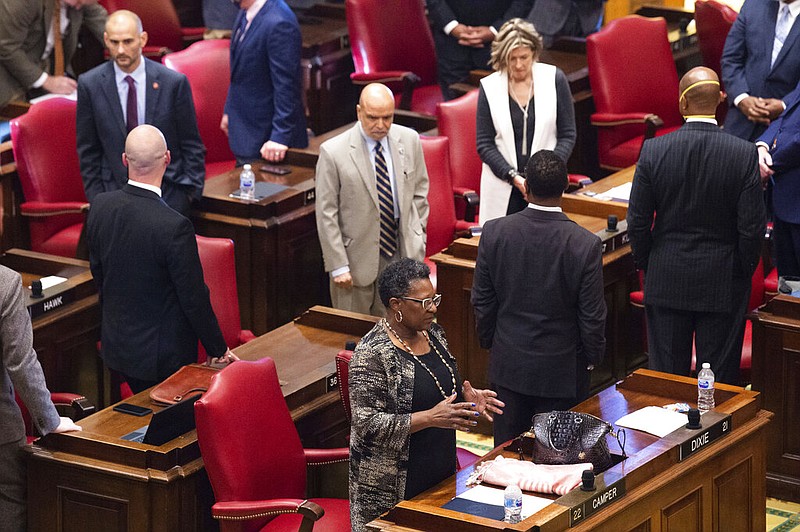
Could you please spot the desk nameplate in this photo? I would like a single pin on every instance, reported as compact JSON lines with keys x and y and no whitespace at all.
{"x":599,"y":499}
{"x":37,"y":307}
{"x":700,"y":440}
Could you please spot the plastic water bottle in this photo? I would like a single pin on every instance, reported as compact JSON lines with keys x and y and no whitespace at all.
{"x":512,"y":504}
{"x":247,"y":183}
{"x":705,"y":389}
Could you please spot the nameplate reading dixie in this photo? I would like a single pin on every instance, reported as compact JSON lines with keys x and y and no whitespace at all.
{"x":597,"y":502}
{"x":704,"y":437}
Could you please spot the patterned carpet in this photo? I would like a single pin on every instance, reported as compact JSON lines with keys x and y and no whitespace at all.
{"x":781,"y":516}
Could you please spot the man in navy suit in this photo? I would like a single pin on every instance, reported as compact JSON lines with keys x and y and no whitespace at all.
{"x":107,"y":111}
{"x":695,"y":221}
{"x":144,"y":259}
{"x":264,"y":114}
{"x":538,"y":300}
{"x":760,"y":64}
{"x":779,"y":160}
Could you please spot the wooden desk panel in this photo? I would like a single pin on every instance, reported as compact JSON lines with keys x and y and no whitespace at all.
{"x":720,"y":487}
{"x":279,"y":268}
{"x":776,"y":374}
{"x":94,"y":480}
{"x":65,"y":338}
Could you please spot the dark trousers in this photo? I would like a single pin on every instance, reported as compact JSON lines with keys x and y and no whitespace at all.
{"x":519,"y":411}
{"x":455,"y":61}
{"x":787,"y":247}
{"x":138,"y":385}
{"x":717,"y":337}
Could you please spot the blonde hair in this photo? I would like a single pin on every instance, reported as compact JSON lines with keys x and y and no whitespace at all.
{"x":513,"y":34}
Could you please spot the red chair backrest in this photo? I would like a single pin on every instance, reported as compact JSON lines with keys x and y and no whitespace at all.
{"x":219,"y":273}
{"x":247,"y":438}
{"x":391,"y":35}
{"x":631,"y":68}
{"x":442,"y":214}
{"x":714,"y":20}
{"x":457,"y":121}
{"x":159,"y":20}
{"x":207,"y":66}
{"x":343,"y":374}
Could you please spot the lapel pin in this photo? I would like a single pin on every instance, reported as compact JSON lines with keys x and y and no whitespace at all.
{"x":155,"y":85}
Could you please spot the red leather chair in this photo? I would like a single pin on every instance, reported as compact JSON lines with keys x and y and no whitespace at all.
{"x":254,"y":458}
{"x":207,"y":66}
{"x":46,"y":154}
{"x":73,"y":405}
{"x":456,"y":121}
{"x":219,"y":273}
{"x":635,"y":87}
{"x":713,"y":22}
{"x":463,"y":456}
{"x":391,"y":43}
{"x":442,"y":224}
{"x":160,"y":21}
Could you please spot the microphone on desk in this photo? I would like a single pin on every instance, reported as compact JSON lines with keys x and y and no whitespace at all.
{"x":694,"y":419}
{"x":611,"y":224}
{"x":587,"y":480}
{"x":36,"y":289}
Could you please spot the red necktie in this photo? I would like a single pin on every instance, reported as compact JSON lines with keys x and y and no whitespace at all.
{"x":132,"y":118}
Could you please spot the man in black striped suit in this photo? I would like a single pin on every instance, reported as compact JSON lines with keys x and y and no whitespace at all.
{"x":695,"y":221}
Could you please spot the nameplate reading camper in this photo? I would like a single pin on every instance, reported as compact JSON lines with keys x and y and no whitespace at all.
{"x":597,"y":502}
{"x":704,"y":437}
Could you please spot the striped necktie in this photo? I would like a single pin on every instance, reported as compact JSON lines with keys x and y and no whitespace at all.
{"x":386,"y":204}
{"x":781,"y":31}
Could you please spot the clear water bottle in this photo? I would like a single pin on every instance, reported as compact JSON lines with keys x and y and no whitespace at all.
{"x":247,"y":183}
{"x":705,"y":389}
{"x":512,"y":504}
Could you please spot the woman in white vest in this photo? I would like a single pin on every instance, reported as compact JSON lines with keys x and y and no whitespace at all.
{"x":523,"y":107}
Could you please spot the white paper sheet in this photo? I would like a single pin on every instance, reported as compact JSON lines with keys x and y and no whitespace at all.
{"x":654,"y":420}
{"x":619,"y":193}
{"x":51,"y":280}
{"x":490,"y":495}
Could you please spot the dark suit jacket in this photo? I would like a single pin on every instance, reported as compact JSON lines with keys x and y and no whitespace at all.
{"x":102,"y":132}
{"x":746,"y":58}
{"x":264,"y":99}
{"x":783,"y":137}
{"x":538,"y":299}
{"x":549,"y":16}
{"x":704,"y":244}
{"x":24,"y":25}
{"x":154,"y":302}
{"x":476,"y":12}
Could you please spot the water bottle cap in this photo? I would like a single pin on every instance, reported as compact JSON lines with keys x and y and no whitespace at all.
{"x":706,"y":365}
{"x":247,"y":167}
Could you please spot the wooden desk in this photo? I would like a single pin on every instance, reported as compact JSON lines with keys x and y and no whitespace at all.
{"x":455,"y":269}
{"x":279,"y":267}
{"x":65,"y":335}
{"x":719,"y":487}
{"x":584,"y":200}
{"x":93,"y":480}
{"x":776,"y":374}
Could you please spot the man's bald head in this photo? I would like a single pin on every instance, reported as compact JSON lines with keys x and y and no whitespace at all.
{"x":700,"y":94}
{"x":375,"y":110}
{"x":125,"y":39}
{"x":146,"y":155}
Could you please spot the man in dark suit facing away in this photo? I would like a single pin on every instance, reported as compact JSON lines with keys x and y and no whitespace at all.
{"x":538,"y":299}
{"x":143,"y":256}
{"x":696,"y":219}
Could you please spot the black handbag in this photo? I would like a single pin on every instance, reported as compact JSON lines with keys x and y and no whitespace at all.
{"x":566,"y":437}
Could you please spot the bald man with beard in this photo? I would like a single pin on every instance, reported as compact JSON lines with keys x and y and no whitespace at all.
{"x":695,"y":220}
{"x":144,"y":259}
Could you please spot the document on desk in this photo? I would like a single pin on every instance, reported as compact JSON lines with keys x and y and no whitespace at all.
{"x":654,"y":420}
{"x":50,"y":281}
{"x":619,"y":193}
{"x":487,"y":501}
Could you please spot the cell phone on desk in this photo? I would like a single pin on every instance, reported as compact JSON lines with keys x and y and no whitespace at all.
{"x":277,"y":170}
{"x":134,"y":410}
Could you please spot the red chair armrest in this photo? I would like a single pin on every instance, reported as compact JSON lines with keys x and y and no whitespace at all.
{"x":327,"y":456}
{"x":386,"y":76}
{"x":616,"y":119}
{"x":471,"y":200}
{"x":246,"y":336}
{"x":463,"y":227}
{"x":579,"y":179}
{"x":241,"y":511}
{"x":79,"y":405}
{"x":40,"y":208}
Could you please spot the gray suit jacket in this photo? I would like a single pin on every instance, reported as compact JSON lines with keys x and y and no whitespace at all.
{"x":24,"y":25}
{"x":19,"y":367}
{"x":347,"y":201}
